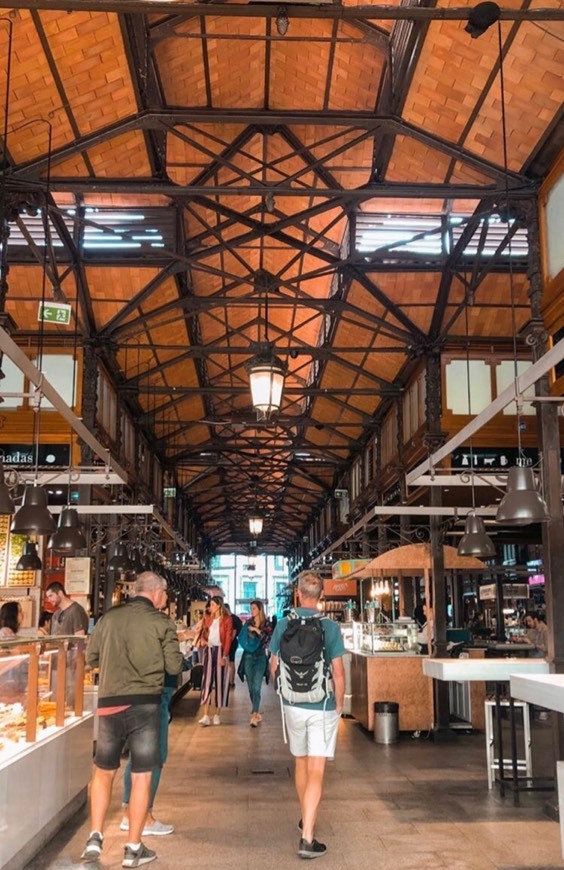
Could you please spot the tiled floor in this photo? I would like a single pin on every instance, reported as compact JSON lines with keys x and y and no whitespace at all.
{"x":417,"y":805}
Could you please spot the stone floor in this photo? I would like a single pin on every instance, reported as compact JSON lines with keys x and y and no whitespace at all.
{"x":418,"y":804}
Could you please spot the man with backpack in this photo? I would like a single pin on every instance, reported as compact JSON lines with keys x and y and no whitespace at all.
{"x":307,"y":664}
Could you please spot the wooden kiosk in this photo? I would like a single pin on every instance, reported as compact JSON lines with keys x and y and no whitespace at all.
{"x":399,"y":677}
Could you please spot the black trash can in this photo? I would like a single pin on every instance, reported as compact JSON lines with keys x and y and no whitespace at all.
{"x":386,"y":714}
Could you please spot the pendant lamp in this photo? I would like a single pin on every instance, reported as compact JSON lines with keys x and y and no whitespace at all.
{"x":29,"y":560}
{"x":255,"y":525}
{"x":120,"y":561}
{"x":522,"y":504}
{"x":6,"y":502}
{"x":33,"y":518}
{"x":266,"y":377}
{"x":475,"y":541}
{"x":69,"y":536}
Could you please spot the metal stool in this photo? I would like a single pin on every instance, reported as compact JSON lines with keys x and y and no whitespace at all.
{"x":524,"y":765}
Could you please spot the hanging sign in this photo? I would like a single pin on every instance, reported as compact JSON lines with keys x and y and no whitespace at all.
{"x":344,"y":567}
{"x":54,"y":312}
{"x":348,"y":588}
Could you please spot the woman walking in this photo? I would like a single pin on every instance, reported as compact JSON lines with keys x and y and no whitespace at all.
{"x":217,"y":636}
{"x":258,"y":631}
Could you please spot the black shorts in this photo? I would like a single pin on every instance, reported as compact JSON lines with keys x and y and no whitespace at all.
{"x":140,"y":726}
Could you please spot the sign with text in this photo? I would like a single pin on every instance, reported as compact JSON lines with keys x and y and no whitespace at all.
{"x":53,"y":455}
{"x":54,"y":312}
{"x":77,"y":575}
{"x":341,"y":588}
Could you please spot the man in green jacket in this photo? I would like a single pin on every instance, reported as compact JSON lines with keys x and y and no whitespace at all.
{"x":133,"y":645}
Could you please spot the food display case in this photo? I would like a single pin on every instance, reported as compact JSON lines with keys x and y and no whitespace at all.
{"x":45,"y":741}
{"x":388,"y":637}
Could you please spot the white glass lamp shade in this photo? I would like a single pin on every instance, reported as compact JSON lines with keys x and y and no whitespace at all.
{"x":266,"y":377}
{"x":255,"y":525}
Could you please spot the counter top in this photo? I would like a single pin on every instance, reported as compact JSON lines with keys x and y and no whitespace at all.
{"x":546,"y":690}
{"x":385,"y":654}
{"x":496,"y":670}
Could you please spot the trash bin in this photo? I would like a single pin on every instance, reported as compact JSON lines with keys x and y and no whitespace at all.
{"x":386,"y":728}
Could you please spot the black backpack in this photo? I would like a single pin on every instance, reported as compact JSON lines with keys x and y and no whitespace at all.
{"x":303,"y":672}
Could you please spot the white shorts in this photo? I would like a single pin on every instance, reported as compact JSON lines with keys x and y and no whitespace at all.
{"x":311,"y":732}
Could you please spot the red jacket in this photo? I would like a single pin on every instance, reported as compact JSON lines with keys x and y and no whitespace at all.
{"x":225,"y":632}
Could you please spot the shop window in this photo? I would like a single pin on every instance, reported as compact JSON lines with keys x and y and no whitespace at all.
{"x":456,"y":377}
{"x":59,"y":370}
{"x":13,"y":382}
{"x":505,"y":375}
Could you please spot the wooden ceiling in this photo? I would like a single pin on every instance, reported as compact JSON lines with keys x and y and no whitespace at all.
{"x":260,"y":152}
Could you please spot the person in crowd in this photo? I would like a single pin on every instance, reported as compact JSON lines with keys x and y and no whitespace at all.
{"x":537,"y":633}
{"x":69,"y":617}
{"x":11,"y":616}
{"x":152,"y":827}
{"x":255,"y":661}
{"x":44,"y":625}
{"x":217,"y":637}
{"x":133,"y":645}
{"x":425,"y":633}
{"x":237,"y":626}
{"x":312,"y":728}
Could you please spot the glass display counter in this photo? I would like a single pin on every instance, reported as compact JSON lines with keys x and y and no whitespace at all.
{"x":45,"y":741}
{"x":385,"y":637}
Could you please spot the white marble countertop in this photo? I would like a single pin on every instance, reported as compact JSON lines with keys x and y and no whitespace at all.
{"x":495,"y":670}
{"x":546,"y":690}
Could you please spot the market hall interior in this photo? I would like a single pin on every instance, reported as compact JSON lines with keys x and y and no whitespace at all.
{"x":414,"y":805}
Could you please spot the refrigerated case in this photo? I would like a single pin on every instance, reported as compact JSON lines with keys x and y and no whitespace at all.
{"x":390,"y":637}
{"x":45,"y":742}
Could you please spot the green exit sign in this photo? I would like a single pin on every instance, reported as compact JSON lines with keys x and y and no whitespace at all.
{"x":170,"y":492}
{"x":54,"y":312}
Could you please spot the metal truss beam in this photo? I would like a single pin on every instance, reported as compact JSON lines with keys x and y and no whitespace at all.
{"x":189,"y":9}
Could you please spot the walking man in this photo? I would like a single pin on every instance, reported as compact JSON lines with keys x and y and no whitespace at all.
{"x":133,"y":644}
{"x":311,"y":725}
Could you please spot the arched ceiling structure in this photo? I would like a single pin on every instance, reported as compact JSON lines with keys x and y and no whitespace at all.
{"x":351,"y":173}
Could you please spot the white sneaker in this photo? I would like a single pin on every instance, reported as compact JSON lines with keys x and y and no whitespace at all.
{"x":205,"y":720}
{"x":216,"y":720}
{"x":155,"y":829}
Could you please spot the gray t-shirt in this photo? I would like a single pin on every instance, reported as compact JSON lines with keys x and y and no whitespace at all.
{"x":74,"y":618}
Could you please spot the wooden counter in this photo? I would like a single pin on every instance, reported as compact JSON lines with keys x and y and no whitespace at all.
{"x":392,"y":677}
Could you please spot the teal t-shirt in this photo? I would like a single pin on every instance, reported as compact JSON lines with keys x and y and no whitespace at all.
{"x":334,"y":649}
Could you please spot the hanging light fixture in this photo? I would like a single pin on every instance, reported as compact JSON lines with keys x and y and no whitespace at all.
{"x":266,"y":376}
{"x":282,"y":21}
{"x":255,"y":525}
{"x":266,"y":371}
{"x":29,"y":560}
{"x":522,"y":504}
{"x":120,"y":561}
{"x":69,"y":536}
{"x":33,"y":518}
{"x":6,"y":501}
{"x":475,"y":541}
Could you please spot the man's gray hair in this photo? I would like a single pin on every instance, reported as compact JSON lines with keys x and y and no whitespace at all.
{"x":310,"y":585}
{"x":148,"y":581}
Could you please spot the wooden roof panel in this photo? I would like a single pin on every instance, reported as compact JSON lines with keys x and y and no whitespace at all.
{"x":123,"y":155}
{"x":357,"y":70}
{"x":533,"y":71}
{"x":181,"y":67}
{"x":94,"y":72}
{"x":298,"y":74}
{"x":231,"y":60}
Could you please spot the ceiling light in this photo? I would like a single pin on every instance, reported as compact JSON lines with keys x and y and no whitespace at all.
{"x":120,"y":561}
{"x":266,"y":376}
{"x":255,"y":525}
{"x":475,"y":541}
{"x":282,"y":21}
{"x":33,"y":518}
{"x":29,"y":560}
{"x":69,"y":536}
{"x":522,"y":504}
{"x":481,"y":18}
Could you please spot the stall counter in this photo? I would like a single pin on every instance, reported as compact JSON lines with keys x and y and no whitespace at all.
{"x":391,"y":677}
